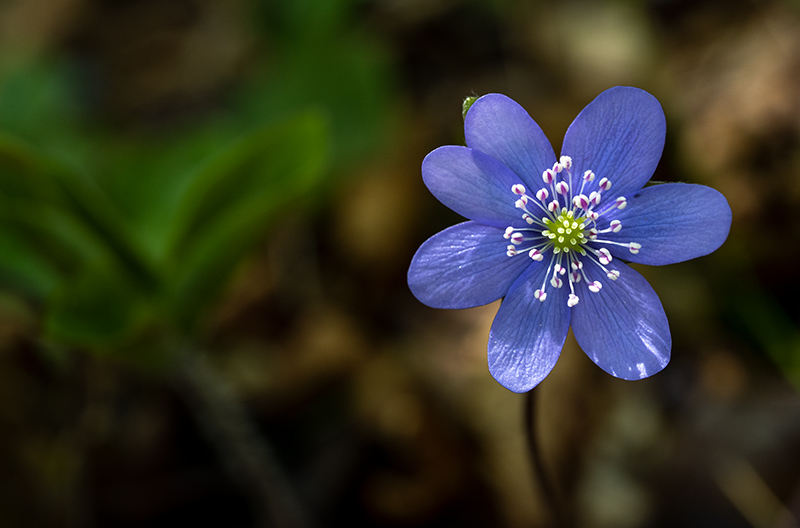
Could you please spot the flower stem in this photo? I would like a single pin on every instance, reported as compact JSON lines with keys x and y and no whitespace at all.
{"x":560,"y":516}
{"x":246,"y":453}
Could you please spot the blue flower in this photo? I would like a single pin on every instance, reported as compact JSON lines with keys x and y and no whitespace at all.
{"x":548,"y":235}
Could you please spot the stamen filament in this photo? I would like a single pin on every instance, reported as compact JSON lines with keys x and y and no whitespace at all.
{"x":568,"y":229}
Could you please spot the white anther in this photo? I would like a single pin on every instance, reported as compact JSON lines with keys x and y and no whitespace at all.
{"x":615,"y":226}
{"x":521,"y":203}
{"x":548,"y":176}
{"x":562,"y":188}
{"x":540,"y":294}
{"x":572,"y":300}
{"x":509,"y":230}
{"x":542,"y":195}
{"x":634,"y":247}
{"x":517,"y":238}
{"x":604,"y":184}
{"x":518,"y":189}
{"x":557,"y":167}
{"x":528,"y":218}
{"x":566,"y":162}
{"x":581,"y":201}
{"x":511,"y":251}
{"x":556,"y":282}
{"x":577,"y":264}
{"x":592,"y":215}
{"x":595,"y":286}
{"x":621,"y":202}
{"x":594,"y":197}
{"x":575,"y":276}
{"x":552,"y":206}
{"x":604,"y":257}
{"x":558,"y":269}
{"x":588,"y":176}
{"x":612,"y":274}
{"x":535,"y":254}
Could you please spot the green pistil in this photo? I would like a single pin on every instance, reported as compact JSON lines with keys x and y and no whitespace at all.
{"x":566,"y":232}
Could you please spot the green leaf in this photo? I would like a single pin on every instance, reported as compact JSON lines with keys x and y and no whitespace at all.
{"x":24,"y":268}
{"x":232,"y":201}
{"x":95,"y":309}
{"x":351,"y":84}
{"x":37,"y":100}
{"x":50,"y":202}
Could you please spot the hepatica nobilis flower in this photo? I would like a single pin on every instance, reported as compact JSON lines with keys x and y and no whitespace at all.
{"x":548,"y":235}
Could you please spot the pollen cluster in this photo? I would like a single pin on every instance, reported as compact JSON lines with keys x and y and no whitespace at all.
{"x":566,"y":232}
{"x":570,"y":232}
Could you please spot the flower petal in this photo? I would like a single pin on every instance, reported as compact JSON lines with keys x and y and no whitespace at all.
{"x":673,"y":222}
{"x":623,"y":328}
{"x":464,"y":266}
{"x":473,"y":185}
{"x":527,"y":335}
{"x":498,"y":126}
{"x":620,"y":136}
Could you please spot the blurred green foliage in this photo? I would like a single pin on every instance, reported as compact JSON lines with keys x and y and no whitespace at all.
{"x":122,"y":236}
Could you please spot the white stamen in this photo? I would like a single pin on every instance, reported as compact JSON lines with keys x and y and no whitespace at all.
{"x":572,"y":300}
{"x":568,"y":225}
{"x":542,"y":195}
{"x":634,"y":247}
{"x":581,"y":201}
{"x":603,"y":255}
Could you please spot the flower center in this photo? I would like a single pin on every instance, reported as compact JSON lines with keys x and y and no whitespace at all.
{"x":565,"y":231}
{"x":569,"y":229}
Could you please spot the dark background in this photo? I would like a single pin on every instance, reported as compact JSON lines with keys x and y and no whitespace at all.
{"x":207,"y":211}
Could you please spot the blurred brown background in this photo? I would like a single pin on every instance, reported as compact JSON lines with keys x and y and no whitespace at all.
{"x":374,"y":409}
